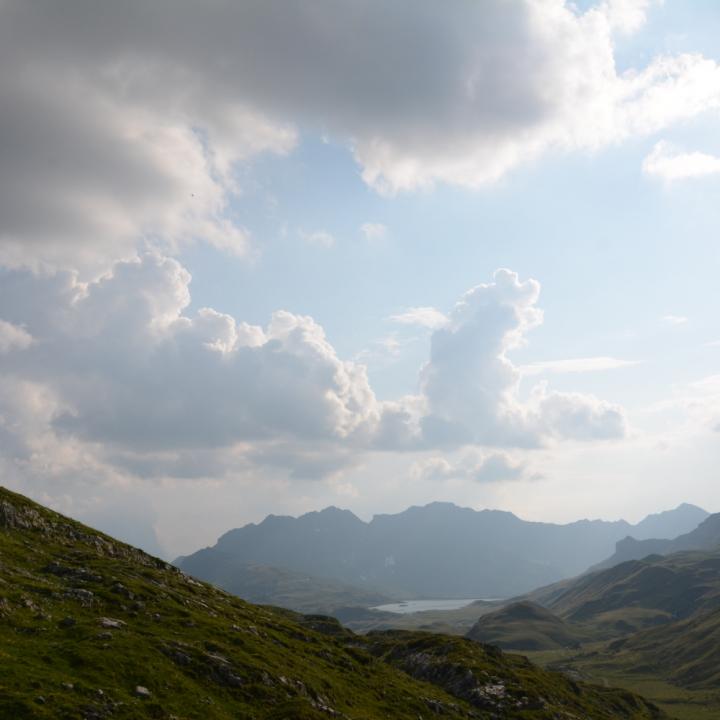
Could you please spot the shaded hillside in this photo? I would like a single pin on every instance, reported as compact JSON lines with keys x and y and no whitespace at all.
{"x":686,"y":652}
{"x":436,"y":551}
{"x":638,"y":593}
{"x":706,"y":536}
{"x":276,"y":586}
{"x":92,"y":628}
{"x":525,"y":626}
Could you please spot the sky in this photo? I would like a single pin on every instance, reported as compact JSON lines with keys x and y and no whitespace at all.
{"x":262,"y":257}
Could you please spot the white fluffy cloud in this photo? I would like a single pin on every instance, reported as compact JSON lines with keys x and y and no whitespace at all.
{"x":427,"y":317}
{"x":471,"y":387}
{"x":115,"y":377}
{"x":133,"y":371}
{"x":123,"y":123}
{"x":669,"y":164}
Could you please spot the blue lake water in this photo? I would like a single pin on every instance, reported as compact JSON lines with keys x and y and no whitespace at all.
{"x":413,"y":606}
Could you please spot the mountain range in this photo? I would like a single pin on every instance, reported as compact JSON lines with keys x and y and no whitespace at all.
{"x":436,"y":551}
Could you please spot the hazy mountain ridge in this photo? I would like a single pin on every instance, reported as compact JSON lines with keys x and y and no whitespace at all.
{"x":439,"y":550}
{"x":265,"y":584}
{"x":706,"y":536}
{"x":92,"y":628}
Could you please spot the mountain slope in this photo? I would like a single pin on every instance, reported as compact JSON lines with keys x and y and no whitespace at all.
{"x":525,"y":626}
{"x":706,"y":536}
{"x":687,"y":652}
{"x":637,"y":593}
{"x":277,"y":586}
{"x":436,"y":551}
{"x":92,"y":628}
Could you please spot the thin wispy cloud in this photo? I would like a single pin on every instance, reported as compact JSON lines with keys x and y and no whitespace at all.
{"x":373,"y":231}
{"x":426,"y":317}
{"x":577,"y":365}
{"x":319,"y":238}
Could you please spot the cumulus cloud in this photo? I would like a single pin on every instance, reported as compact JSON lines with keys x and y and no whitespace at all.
{"x":470,"y":386}
{"x":117,"y":378}
{"x":476,"y":467}
{"x":125,"y":123}
{"x":427,"y":317}
{"x":577,"y":416}
{"x":669,"y":164}
{"x":127,"y":370}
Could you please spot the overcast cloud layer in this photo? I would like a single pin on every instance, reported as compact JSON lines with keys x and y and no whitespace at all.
{"x":125,"y":132}
{"x":123,"y":122}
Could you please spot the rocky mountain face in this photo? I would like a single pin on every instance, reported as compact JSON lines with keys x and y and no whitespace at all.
{"x":436,"y":551}
{"x":92,"y":628}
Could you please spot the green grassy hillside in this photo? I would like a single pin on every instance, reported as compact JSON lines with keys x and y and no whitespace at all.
{"x":92,"y":628}
{"x":686,"y":652}
{"x":637,"y":594}
{"x":526,"y":626}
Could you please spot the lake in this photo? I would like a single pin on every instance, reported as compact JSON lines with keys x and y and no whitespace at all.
{"x":413,"y":606}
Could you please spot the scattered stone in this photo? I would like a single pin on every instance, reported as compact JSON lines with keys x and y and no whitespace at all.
{"x":105,"y":636}
{"x":68,"y":622}
{"x":77,"y":573}
{"x":67,"y":686}
{"x":40,"y":700}
{"x":29,"y":604}
{"x":84,"y":597}
{"x":119,"y":589}
{"x":111,"y":623}
{"x":141,"y":692}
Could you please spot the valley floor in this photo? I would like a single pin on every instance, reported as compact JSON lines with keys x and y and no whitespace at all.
{"x":591,"y":666}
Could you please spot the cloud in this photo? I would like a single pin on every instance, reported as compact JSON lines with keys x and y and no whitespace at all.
{"x":13,"y":337}
{"x":575,"y":416}
{"x":125,"y":125}
{"x":373,"y":231}
{"x":319,"y":238}
{"x":427,"y":317}
{"x":469,"y":388}
{"x":120,"y":367}
{"x":576,"y":365}
{"x":675,"y":319}
{"x":476,"y":467}
{"x":627,"y":16}
{"x":117,"y":378}
{"x":670,"y":164}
